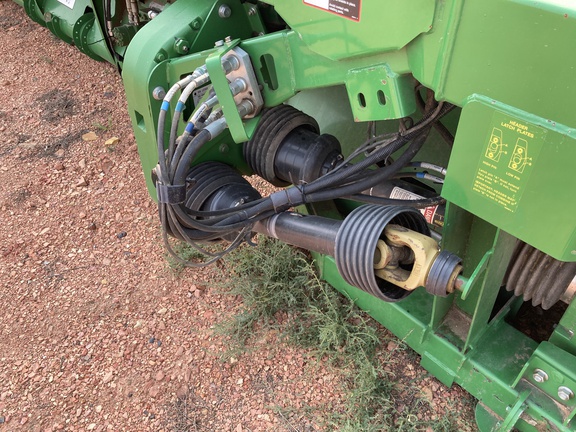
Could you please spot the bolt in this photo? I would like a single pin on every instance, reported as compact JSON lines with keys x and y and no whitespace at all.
{"x":565,"y":393}
{"x":224,"y":11}
{"x":196,"y":24}
{"x":152,"y":14}
{"x":540,"y":376}
{"x":252,"y":10}
{"x":219,"y":43}
{"x":227,"y":39}
{"x":160,"y":57}
{"x":158,"y":93}
{"x":223,"y":148}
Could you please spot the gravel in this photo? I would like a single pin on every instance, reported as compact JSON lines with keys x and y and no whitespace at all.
{"x":97,"y":332}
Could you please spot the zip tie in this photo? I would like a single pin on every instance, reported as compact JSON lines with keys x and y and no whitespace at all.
{"x":170,"y":194}
{"x":286,"y":198}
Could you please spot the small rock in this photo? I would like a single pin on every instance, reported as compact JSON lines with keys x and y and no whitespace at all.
{"x":182,"y":392}
{"x":152,"y":416}
{"x":159,"y":376}
{"x":98,"y":409}
{"x":90,"y":136}
{"x":121,"y":234}
{"x":82,"y":215}
{"x":108,"y":377}
{"x":108,"y":94}
{"x":112,"y":141}
{"x":82,"y":163}
{"x":240,"y":381}
{"x":2,"y":419}
{"x":427,"y":391}
{"x":60,"y":153}
{"x":59,"y":166}
{"x":106,"y":261}
{"x":82,"y":182}
{"x":159,"y":342}
{"x":239,"y":428}
{"x":92,"y":226}
{"x":153,"y":392}
{"x":151,"y":340}
{"x":24,"y":420}
{"x":91,"y":426}
{"x":265,"y":417}
{"x":162,"y":311}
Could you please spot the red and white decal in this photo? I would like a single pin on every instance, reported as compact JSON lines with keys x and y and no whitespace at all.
{"x":346,"y":8}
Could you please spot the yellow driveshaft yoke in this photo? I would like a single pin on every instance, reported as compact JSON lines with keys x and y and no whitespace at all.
{"x":404,"y":246}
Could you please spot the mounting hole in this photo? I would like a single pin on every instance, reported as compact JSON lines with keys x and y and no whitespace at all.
{"x":381,"y":97}
{"x":362,"y":100}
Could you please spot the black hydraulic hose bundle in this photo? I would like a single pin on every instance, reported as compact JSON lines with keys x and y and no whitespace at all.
{"x":347,"y":181}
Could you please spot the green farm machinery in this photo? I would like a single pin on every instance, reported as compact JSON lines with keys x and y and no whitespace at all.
{"x":420,"y":149}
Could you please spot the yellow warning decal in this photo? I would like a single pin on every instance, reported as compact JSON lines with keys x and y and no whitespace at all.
{"x":505,"y":165}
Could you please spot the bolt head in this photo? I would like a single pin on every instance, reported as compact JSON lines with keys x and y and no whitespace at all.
{"x":196,"y":24}
{"x":539,"y":376}
{"x":224,"y":11}
{"x":565,"y":394}
{"x":158,"y":93}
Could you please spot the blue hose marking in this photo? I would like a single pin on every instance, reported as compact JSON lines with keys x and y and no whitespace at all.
{"x":189,"y":127}
{"x":180,"y":106}
{"x":165,"y":106}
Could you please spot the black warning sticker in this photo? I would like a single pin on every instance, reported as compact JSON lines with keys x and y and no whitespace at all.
{"x":346,"y":8}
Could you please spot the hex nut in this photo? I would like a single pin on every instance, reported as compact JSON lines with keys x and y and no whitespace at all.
{"x":539,"y":376}
{"x":565,"y":393}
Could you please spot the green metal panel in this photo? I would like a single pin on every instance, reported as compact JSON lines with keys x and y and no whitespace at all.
{"x":515,"y":51}
{"x":376,"y":26}
{"x":509,"y":167}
